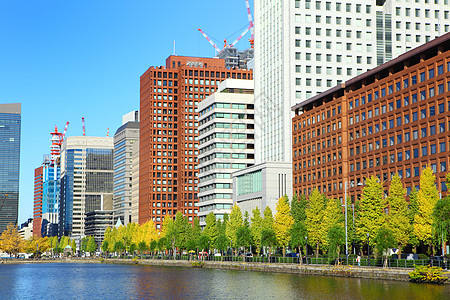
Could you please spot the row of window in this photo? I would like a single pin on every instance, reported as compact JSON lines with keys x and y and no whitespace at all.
{"x":406,"y":82}
{"x":319,"y":160}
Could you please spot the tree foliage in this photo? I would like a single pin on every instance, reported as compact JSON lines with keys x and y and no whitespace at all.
{"x":370,"y":215}
{"x":398,"y":212}
{"x":317,"y":231}
{"x":256,"y":228}
{"x":427,"y":198}
{"x":233,"y":224}
{"x":283,"y":223}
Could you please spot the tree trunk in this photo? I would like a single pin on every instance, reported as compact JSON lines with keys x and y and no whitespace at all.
{"x":284,"y":251}
{"x":399,"y":252}
{"x":317,"y":250}
{"x":300,"y":258}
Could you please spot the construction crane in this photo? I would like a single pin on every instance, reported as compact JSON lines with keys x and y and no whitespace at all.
{"x":64,"y":133}
{"x":3,"y":202}
{"x":84,"y":128}
{"x":226,"y":45}
{"x":250,"y":21}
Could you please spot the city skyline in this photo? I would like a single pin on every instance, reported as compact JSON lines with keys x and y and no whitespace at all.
{"x":62,"y":69}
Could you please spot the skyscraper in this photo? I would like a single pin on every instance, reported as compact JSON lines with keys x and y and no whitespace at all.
{"x":304,"y":47}
{"x":86,"y":177}
{"x":10,"y":125}
{"x":126,"y":139}
{"x":169,"y":132}
{"x":226,"y":144}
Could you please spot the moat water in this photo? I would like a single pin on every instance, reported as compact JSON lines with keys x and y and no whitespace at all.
{"x":105,"y":281}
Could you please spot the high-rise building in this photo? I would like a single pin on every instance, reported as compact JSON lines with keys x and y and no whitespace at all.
{"x":168,"y":133}
{"x":304,"y":47}
{"x":126,"y":139}
{"x":10,"y":124}
{"x":86,"y":177}
{"x":99,"y":219}
{"x":226,"y":144}
{"x":135,"y":184}
{"x":235,"y":58}
{"x":393,"y":119}
{"x":37,"y":203}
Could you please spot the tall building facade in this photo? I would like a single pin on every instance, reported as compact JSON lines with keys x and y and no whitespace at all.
{"x":391,"y":120}
{"x":226,"y":144}
{"x":304,"y":47}
{"x":86,"y":177}
{"x":37,"y":202}
{"x":126,"y":139}
{"x":10,"y":126}
{"x":169,"y":133}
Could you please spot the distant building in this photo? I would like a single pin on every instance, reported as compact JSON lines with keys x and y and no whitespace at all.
{"x":86,"y":177}
{"x":226,"y":144}
{"x":126,"y":139}
{"x":26,"y":229}
{"x":98,"y":220}
{"x":169,"y":133}
{"x":10,"y":125}
{"x":235,"y":58}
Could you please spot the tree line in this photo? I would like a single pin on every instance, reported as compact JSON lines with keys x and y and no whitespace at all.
{"x":12,"y":243}
{"x":318,"y":222}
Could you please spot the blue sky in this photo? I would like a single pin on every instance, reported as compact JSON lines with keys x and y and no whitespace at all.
{"x":64,"y":60}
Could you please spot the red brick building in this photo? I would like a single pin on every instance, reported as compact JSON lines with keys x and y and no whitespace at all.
{"x":37,"y":205}
{"x":168,"y":133}
{"x":392,"y":119}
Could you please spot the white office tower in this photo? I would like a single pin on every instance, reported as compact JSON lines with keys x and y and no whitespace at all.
{"x":305,"y":47}
{"x":226,"y":144}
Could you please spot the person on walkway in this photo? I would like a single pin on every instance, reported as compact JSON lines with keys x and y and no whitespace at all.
{"x":358,"y":260}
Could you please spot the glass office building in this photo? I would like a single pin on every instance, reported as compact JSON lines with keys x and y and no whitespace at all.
{"x":10,"y":123}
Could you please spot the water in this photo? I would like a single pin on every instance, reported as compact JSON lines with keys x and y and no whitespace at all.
{"x":104,"y":281}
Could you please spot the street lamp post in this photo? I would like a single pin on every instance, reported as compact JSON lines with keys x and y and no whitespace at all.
{"x":368,"y":247}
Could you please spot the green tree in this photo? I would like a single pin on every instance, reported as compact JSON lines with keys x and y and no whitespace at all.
{"x":332,"y":216}
{"x":211,"y":227}
{"x":153,"y":245}
{"x":413,"y":209}
{"x":384,"y":240}
{"x":243,"y":234}
{"x":256,"y":228}
{"x":74,"y":246}
{"x":133,"y":248}
{"x":267,"y":222}
{"x":298,"y":208}
{"x":142,"y":247}
{"x":298,"y":233}
{"x":204,"y":241}
{"x":118,"y":247}
{"x":370,"y":215}
{"x":398,"y":213}
{"x":283,"y":223}
{"x":91,"y":245}
{"x":336,"y":238}
{"x":427,"y":198}
{"x":441,"y":219}
{"x":268,"y":239}
{"x":177,"y":233}
{"x":222,"y":243}
{"x":104,"y":247}
{"x":315,"y":225}
{"x":233,"y":224}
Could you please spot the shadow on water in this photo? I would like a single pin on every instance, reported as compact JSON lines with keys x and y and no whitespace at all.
{"x":103,"y":281}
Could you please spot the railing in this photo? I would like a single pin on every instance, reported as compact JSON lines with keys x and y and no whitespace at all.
{"x":364,"y":262}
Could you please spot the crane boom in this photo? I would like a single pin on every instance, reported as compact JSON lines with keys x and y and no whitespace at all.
{"x":250,"y":19}
{"x":209,"y":40}
{"x":240,"y":36}
{"x":65,"y":130}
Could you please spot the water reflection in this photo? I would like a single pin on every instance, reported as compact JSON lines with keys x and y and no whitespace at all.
{"x":104,"y":281}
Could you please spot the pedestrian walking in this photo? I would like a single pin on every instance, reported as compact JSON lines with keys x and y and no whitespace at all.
{"x":358,"y":260}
